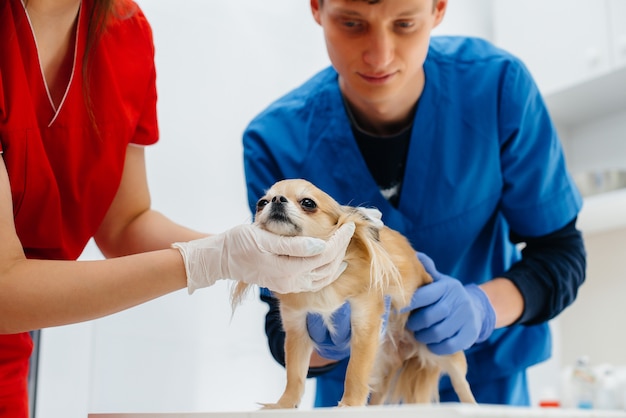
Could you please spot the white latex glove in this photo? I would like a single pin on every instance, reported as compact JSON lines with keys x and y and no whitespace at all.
{"x":250,"y":254}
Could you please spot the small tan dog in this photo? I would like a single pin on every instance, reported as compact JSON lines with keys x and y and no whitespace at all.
{"x":391,"y":368}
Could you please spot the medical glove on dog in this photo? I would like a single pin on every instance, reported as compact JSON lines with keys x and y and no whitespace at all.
{"x":335,"y":345}
{"x":448,"y":316}
{"x":250,"y":254}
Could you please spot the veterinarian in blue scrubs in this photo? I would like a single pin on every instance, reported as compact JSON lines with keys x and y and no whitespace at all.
{"x":451,"y":140}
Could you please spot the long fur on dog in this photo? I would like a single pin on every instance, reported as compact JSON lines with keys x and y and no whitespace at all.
{"x":387,"y":368}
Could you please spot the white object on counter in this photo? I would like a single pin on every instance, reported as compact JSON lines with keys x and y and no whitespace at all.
{"x":603,"y":212}
{"x":444,"y":410}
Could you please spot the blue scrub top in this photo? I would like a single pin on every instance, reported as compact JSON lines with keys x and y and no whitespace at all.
{"x":484,"y":159}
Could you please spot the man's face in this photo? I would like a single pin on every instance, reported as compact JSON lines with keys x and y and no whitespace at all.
{"x":378,"y":49}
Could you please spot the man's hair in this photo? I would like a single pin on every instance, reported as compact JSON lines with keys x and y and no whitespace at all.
{"x":378,"y":1}
{"x":367,"y":1}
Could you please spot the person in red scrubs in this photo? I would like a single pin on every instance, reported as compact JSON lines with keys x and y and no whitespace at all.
{"x":77,"y":107}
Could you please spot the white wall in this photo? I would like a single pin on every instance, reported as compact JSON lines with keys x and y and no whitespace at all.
{"x":583,"y":140}
{"x":594,"y":325}
{"x":218,"y":64}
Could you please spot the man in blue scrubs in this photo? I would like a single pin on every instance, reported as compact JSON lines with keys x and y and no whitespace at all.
{"x":450,"y":139}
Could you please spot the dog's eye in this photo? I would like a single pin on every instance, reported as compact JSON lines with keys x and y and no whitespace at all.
{"x":308,"y":204}
{"x":261,"y":204}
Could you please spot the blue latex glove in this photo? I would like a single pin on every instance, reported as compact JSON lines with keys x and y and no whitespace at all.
{"x":336,"y":345}
{"x":447,"y":316}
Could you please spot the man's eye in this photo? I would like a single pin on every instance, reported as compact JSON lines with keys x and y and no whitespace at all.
{"x":405,"y":24}
{"x":352,"y":24}
{"x":308,"y":204}
{"x":261,"y":204}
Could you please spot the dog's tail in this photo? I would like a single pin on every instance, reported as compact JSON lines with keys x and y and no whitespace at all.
{"x":416,"y":382}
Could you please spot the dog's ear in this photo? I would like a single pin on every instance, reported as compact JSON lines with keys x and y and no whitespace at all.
{"x":366,"y":241}
{"x":367,"y":223}
{"x":372,"y":214}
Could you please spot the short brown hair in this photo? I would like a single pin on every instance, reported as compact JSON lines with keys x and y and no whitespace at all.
{"x":378,"y":1}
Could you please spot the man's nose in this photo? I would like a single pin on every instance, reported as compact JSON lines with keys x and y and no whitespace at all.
{"x":380,"y":49}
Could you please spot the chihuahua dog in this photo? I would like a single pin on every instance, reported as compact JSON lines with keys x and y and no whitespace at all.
{"x":388,"y":368}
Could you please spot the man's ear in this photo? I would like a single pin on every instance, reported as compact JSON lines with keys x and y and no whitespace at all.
{"x":439,"y":11}
{"x":315,"y":10}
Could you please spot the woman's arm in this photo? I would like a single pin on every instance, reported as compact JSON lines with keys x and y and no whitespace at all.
{"x":42,"y":293}
{"x":130,"y":225}
{"x":38,"y":293}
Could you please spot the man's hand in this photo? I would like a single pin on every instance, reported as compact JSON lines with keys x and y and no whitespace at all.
{"x":335,"y":344}
{"x":448,"y":316}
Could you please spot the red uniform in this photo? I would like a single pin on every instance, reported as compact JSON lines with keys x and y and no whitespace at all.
{"x":63,"y":174}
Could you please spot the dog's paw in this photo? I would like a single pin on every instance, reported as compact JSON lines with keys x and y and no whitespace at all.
{"x":346,"y":403}
{"x":276,"y":406}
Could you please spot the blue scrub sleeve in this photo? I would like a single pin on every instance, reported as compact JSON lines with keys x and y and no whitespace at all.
{"x":550,"y":272}
{"x":538,"y":195}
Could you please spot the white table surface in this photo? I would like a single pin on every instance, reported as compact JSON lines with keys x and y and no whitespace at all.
{"x":401,"y":411}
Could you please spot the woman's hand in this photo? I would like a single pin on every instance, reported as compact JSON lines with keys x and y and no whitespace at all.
{"x":250,"y":254}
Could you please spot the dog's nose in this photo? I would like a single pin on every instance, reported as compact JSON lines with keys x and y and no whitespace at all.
{"x":279,"y":199}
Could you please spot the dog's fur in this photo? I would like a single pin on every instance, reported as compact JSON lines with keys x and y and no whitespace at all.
{"x":391,"y":368}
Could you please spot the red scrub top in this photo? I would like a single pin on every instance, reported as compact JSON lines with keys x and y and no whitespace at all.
{"x":63,"y":174}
